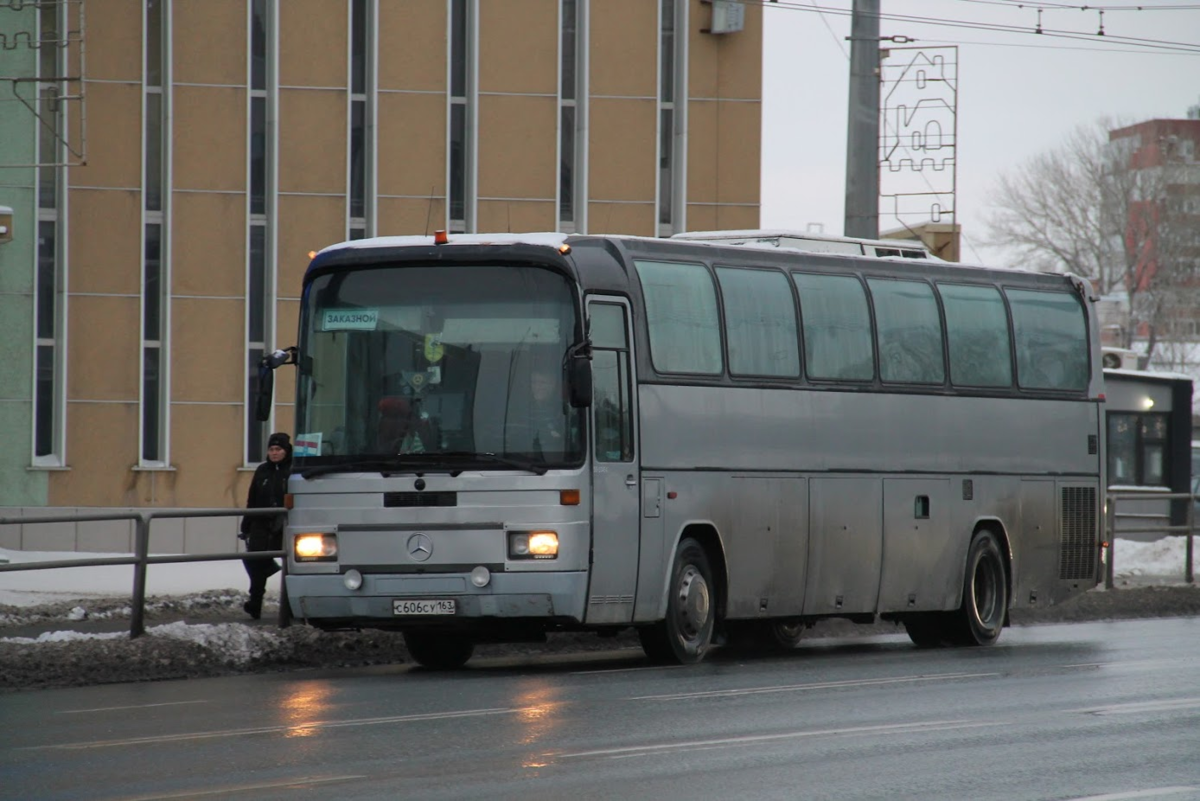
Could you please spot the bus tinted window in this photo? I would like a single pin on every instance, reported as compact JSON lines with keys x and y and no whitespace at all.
{"x":977,"y":329}
{"x":1051,"y":337}
{"x":760,"y":323}
{"x":681,"y":313}
{"x":837,"y":327}
{"x":909,"y":330}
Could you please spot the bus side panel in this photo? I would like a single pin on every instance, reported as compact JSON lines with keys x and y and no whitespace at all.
{"x":1035,"y":544}
{"x":766,"y":547}
{"x":919,"y":560}
{"x":845,"y":546}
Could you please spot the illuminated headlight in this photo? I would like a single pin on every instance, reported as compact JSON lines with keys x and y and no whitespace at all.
{"x":315,"y":547}
{"x":532,"y":545}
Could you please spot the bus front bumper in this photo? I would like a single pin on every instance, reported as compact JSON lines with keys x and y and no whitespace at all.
{"x":325,"y":599}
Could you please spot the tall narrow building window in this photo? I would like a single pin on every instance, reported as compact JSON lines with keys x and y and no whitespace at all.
{"x":462,"y":116}
{"x":666,"y":117}
{"x":259,"y":253}
{"x":572,"y":106}
{"x":155,"y":284}
{"x":362,"y":108}
{"x":49,"y":292}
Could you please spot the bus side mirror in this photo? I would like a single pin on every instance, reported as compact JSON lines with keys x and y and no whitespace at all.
{"x":266,"y":390}
{"x":579,"y":377}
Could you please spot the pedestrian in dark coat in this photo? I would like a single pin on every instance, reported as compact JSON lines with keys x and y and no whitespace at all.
{"x":263,"y":533}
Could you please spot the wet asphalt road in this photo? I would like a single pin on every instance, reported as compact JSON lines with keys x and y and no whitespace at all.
{"x":1051,"y":712}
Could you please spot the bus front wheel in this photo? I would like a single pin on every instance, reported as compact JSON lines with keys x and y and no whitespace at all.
{"x":438,"y":650}
{"x":980,"y":617}
{"x":685,"y":635}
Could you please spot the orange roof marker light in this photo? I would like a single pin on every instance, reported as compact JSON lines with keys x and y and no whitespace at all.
{"x":564,"y":248}
{"x":312,"y":254}
{"x":440,"y":238}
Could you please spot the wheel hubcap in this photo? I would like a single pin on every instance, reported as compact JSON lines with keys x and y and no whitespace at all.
{"x":693,"y":602}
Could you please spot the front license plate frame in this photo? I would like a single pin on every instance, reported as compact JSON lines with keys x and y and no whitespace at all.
{"x":424,"y":606}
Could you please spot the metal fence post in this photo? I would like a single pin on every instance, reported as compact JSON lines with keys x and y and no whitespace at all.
{"x":141,"y":549}
{"x":1188,"y":575}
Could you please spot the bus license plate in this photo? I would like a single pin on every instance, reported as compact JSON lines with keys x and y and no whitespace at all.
{"x":419,"y":607}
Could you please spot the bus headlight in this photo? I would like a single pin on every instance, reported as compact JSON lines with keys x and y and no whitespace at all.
{"x":532,"y":545}
{"x":315,"y":547}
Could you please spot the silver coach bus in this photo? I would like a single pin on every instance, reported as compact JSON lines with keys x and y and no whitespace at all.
{"x":503,"y":436}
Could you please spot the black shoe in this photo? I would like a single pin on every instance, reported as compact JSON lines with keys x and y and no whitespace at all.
{"x":254,"y":611}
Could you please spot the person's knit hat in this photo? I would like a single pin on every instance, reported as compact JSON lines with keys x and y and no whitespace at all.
{"x":282,"y":440}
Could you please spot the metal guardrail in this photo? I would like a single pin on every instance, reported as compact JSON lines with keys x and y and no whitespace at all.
{"x":141,"y":556}
{"x":1111,"y":531}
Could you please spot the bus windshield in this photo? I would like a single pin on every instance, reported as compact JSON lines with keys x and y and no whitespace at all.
{"x":448,"y":366}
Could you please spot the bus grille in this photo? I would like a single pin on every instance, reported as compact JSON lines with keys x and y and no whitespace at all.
{"x":1077,"y":552}
{"x":395,"y":499}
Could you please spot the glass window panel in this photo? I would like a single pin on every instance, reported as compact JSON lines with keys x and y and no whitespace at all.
{"x":665,"y":185}
{"x":458,"y":48}
{"x":150,"y":403}
{"x":358,"y":149}
{"x":977,"y":329}
{"x":44,"y":408}
{"x":909,"y":330}
{"x":760,"y":323}
{"x":258,"y":44}
{"x":154,"y":42}
{"x":458,"y":161}
{"x":1122,"y":449}
{"x":258,"y":155}
{"x":1153,"y":466}
{"x":152,"y":283}
{"x":610,"y":399}
{"x":566,"y":167}
{"x":358,"y":47}
{"x":681,"y":312}
{"x":1154,"y":426}
{"x":568,"y":50}
{"x":607,"y":326}
{"x":46,"y":283}
{"x":1052,"y":341}
{"x":48,"y":129}
{"x":153,"y":185}
{"x":837,"y":327}
{"x":667,"y":89}
{"x":256,"y":296}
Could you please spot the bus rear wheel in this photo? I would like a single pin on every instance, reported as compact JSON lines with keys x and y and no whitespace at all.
{"x":981,"y":615}
{"x":438,"y":650}
{"x":685,"y":635}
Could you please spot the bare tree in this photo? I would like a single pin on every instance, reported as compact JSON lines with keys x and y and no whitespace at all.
{"x":1106,"y":208}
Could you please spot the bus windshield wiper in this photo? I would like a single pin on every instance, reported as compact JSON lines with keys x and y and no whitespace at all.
{"x":537,"y":468}
{"x":376,"y":464}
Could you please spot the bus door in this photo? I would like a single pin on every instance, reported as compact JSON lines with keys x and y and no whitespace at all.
{"x":615,"y":476}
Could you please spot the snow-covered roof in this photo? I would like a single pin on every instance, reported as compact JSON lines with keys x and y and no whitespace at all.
{"x":545,"y":239}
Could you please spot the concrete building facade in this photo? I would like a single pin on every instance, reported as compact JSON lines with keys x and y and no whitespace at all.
{"x":181,"y":158}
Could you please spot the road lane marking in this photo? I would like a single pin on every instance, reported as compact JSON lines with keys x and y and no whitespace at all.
{"x":290,"y":728}
{"x":1156,"y":792}
{"x":120,"y":708}
{"x":306,"y":781}
{"x":1142,"y":706}
{"x":752,"y":739}
{"x":821,"y":685}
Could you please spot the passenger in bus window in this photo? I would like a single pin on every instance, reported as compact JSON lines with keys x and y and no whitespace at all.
{"x":265,"y":533}
{"x":547,"y":420}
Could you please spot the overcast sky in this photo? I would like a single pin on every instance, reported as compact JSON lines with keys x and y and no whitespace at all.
{"x":1019,"y":94}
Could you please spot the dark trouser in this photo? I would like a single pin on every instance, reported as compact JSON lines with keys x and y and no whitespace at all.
{"x":259,"y":570}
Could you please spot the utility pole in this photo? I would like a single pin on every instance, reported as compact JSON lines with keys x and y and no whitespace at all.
{"x":862,"y":139}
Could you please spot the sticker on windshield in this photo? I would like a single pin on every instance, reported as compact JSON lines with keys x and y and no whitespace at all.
{"x":307,"y":445}
{"x":350,"y":319}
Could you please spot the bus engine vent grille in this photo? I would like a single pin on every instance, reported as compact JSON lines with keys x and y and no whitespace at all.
{"x":395,"y":499}
{"x":1077,"y":552}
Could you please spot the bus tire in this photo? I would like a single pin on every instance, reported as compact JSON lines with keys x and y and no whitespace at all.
{"x":438,"y":650}
{"x":771,"y":636}
{"x":685,"y":635}
{"x":981,"y":615}
{"x":925,"y":629}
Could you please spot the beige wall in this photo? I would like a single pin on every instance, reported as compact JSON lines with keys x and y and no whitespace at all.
{"x":517,"y":115}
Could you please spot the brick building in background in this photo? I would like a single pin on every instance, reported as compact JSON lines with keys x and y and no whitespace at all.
{"x":175,"y":161}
